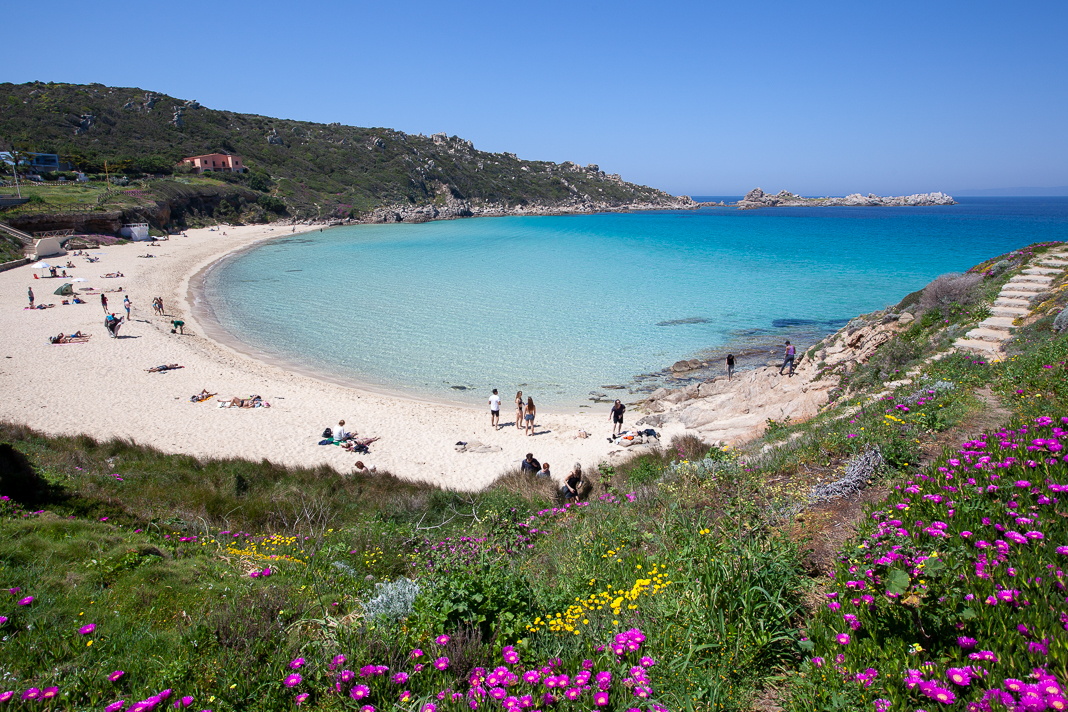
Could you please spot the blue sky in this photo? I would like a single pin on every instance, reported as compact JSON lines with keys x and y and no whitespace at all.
{"x":704,"y":98}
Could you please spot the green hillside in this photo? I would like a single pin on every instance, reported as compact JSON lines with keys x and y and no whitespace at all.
{"x":326,"y":170}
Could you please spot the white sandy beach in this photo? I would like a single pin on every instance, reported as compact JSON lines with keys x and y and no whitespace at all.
{"x":101,"y":388}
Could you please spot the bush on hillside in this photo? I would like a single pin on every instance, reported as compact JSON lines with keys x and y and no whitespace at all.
{"x":952,"y":288}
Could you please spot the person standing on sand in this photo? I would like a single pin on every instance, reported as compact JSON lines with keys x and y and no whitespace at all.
{"x":528,"y":416}
{"x":788,"y":358}
{"x":519,"y":410}
{"x":29,"y":291}
{"x":495,"y":410}
{"x":161,"y":312}
{"x":104,"y":302}
{"x":126,"y":303}
{"x":730,"y":366}
{"x":616,"y":416}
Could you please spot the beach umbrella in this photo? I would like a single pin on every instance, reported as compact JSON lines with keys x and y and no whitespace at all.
{"x":42,"y":265}
{"x":66,"y":289}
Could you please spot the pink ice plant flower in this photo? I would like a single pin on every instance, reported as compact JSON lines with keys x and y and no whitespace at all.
{"x":441,"y":639}
{"x":292,"y":680}
{"x":299,"y":699}
{"x":297,"y":664}
{"x":114,"y":677}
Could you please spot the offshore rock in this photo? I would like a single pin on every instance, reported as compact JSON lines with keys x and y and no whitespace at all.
{"x":757,"y":198}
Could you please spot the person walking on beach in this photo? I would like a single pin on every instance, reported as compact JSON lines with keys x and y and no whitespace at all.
{"x":528,"y":416}
{"x":29,"y":291}
{"x":519,"y":410}
{"x":495,"y":410}
{"x":616,"y":416}
{"x":730,"y":366}
{"x":104,"y":302}
{"x":161,"y":312}
{"x":788,"y":358}
{"x":126,"y":303}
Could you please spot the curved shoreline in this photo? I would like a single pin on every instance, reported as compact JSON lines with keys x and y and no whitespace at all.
{"x":202,"y":314}
{"x":102,"y":388}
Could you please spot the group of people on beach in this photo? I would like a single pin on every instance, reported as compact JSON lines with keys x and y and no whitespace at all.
{"x":572,"y":482}
{"x":524,"y":412}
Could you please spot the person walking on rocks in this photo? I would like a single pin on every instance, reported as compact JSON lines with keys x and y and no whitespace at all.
{"x":616,"y":416}
{"x":730,"y":366}
{"x":788,"y":358}
{"x":495,"y":410}
{"x":29,"y":292}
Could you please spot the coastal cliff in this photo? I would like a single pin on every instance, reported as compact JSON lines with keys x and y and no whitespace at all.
{"x":757,"y":198}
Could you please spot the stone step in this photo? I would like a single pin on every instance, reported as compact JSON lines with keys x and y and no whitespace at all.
{"x":997,"y":322}
{"x":1019,"y":296}
{"x":1044,"y":279}
{"x":989,"y":347}
{"x":988,"y":334}
{"x":1053,"y":262}
{"x":1009,"y":302}
{"x":1024,"y":287}
{"x":1009,"y":311}
{"x":1041,"y":270}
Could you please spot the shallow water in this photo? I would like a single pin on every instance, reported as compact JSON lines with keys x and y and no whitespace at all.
{"x":561,"y":306}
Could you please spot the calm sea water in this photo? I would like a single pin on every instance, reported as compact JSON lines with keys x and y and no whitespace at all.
{"x":562,"y":306}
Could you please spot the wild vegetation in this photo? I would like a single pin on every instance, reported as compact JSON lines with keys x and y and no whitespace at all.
{"x":902,"y":550}
{"x":317,"y":170}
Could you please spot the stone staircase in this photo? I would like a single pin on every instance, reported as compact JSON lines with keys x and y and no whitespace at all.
{"x":1014,"y":301}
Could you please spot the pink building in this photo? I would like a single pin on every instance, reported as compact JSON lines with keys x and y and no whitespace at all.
{"x":215,"y":162}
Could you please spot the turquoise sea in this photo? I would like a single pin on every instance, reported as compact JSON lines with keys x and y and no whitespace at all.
{"x":561,"y":306}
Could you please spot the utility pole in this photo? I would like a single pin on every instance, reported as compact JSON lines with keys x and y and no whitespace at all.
{"x":107,"y":178}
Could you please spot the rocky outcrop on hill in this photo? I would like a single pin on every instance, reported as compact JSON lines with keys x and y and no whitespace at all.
{"x":457,"y":208}
{"x":737,"y":411}
{"x":757,"y":198}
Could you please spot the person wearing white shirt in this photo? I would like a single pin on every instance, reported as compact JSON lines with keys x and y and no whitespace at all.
{"x":342,"y":434}
{"x":495,"y":410}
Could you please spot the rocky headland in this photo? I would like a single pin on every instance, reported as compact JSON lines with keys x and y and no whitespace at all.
{"x":757,"y":198}
{"x":737,"y":411}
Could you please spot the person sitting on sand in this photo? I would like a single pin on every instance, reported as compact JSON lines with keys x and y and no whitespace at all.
{"x":341,"y":435}
{"x":570,"y":490}
{"x":70,"y":264}
{"x":544,"y":471}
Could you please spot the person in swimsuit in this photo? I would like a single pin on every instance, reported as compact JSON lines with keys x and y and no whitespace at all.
{"x":104,"y":302}
{"x":519,"y":410}
{"x":29,"y":290}
{"x":528,"y":416}
{"x":572,"y":484}
{"x":616,"y":416}
{"x":126,"y":303}
{"x":730,"y":366}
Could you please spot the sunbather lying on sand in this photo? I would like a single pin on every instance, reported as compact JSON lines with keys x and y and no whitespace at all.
{"x":202,"y":396}
{"x":112,"y":275}
{"x":357,"y":443}
{"x":164,"y":367}
{"x":76,"y":337}
{"x":253,"y":402}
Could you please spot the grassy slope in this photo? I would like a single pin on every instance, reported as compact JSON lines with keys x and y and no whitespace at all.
{"x":338,"y":169}
{"x":705,"y":556}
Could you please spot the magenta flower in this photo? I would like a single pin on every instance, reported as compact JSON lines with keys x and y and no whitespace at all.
{"x":430,"y":707}
{"x":113,"y":707}
{"x":293,"y":680}
{"x":367,"y":708}
{"x":3,"y":619}
{"x":114,"y":677}
{"x":49,"y":693}
{"x":842,"y":638}
{"x":31,"y":694}
{"x":297,"y":664}
{"x":960,"y":676}
{"x":299,"y":699}
{"x":600,"y":699}
{"x":531,"y":677}
{"x":441,"y":639}
{"x":5,"y":696}
{"x":87,"y":629}
{"x":359,"y":692}
{"x":338,"y":659}
{"x":400,"y":678}
{"x":25,"y":602}
{"x":441,"y":663}
{"x":572,"y":693}
{"x":417,"y":653}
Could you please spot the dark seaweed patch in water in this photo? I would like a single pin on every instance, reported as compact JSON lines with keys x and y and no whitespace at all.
{"x":689,"y":320}
{"x":294,"y":270}
{"x":789,"y":323}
